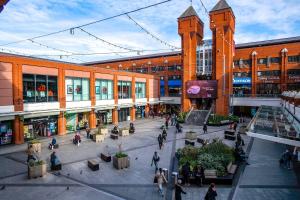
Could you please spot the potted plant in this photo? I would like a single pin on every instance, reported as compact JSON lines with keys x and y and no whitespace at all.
{"x":124,"y":131}
{"x":35,"y":146}
{"x":103,"y":130}
{"x":98,"y":137}
{"x":121,"y":160}
{"x":37,"y":169}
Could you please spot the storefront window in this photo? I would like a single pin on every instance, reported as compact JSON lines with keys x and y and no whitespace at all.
{"x":77,"y":89}
{"x":104,"y":89}
{"x":162,"y":87}
{"x":5,"y":132}
{"x":269,"y":75}
{"x":124,"y":89}
{"x":124,"y":114}
{"x":174,"y":86}
{"x":39,"y":88}
{"x":44,"y":127}
{"x":268,"y":88}
{"x":140,"y":90}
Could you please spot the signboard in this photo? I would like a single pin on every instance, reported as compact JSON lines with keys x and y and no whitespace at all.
{"x":241,"y":81}
{"x":201,"y":89}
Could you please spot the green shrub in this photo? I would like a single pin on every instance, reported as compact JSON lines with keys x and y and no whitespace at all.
{"x":181,"y":117}
{"x":121,"y":155}
{"x":216,"y":119}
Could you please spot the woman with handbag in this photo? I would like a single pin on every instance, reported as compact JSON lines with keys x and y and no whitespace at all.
{"x":160,"y":179}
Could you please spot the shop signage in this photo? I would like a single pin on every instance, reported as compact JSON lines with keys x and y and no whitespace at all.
{"x":42,"y":88}
{"x":242,"y":80}
{"x":201,"y":89}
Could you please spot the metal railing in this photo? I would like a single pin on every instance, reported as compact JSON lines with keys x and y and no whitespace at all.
{"x":257,"y":95}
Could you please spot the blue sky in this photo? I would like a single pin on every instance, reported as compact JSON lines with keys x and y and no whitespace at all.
{"x":255,"y":20}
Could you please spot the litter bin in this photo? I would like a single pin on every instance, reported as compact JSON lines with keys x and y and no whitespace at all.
{"x":166,"y":173}
{"x":175,"y":177}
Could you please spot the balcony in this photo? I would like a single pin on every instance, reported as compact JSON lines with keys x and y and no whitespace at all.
{"x":256,"y":100}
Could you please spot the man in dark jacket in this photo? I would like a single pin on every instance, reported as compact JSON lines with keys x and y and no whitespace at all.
{"x":160,"y":140}
{"x":178,"y":190}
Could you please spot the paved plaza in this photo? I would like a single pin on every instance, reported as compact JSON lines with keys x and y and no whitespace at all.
{"x":262,"y":177}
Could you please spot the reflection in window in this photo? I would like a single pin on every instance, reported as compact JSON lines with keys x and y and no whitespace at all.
{"x":104,"y":89}
{"x":140,"y":90}
{"x":124,"y":89}
{"x":77,"y":89}
{"x":39,"y":88}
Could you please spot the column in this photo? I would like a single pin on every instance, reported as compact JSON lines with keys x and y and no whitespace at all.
{"x":147,"y":107}
{"x":283,"y":67}
{"x":62,"y":122}
{"x":92,"y":119}
{"x":92,"y":115}
{"x":253,"y":73}
{"x":17,"y":79}
{"x":166,"y":86}
{"x":115,"y":110}
{"x":133,"y":109}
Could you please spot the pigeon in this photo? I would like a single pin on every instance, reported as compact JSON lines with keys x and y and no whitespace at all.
{"x":68,"y":188}
{"x":68,"y":174}
{"x":136,"y":158}
{"x":3,"y":187}
{"x":80,"y":171}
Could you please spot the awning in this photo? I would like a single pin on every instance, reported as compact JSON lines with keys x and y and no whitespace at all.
{"x":141,"y":104}
{"x":28,"y":115}
{"x":104,"y":107}
{"x":125,"y":105}
{"x":78,"y":110}
{"x":6,"y":117}
{"x":154,"y":102}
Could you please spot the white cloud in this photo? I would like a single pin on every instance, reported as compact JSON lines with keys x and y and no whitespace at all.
{"x":255,"y":20}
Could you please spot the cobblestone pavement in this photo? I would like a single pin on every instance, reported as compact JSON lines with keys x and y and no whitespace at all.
{"x":77,"y":181}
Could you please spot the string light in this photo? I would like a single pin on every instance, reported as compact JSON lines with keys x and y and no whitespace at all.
{"x":152,"y":35}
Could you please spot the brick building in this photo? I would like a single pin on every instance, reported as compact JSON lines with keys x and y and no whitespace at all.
{"x":45,"y":97}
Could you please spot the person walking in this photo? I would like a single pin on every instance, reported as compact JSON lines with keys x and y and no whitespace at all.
{"x":155,"y":160}
{"x":211,"y":192}
{"x":160,"y":180}
{"x":178,"y":190}
{"x":186,"y":173}
{"x":204,"y":128}
{"x":235,"y":126}
{"x":164,"y":135}
{"x":160,"y":141}
{"x":167,"y":123}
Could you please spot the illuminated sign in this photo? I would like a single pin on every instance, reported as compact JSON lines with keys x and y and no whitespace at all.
{"x":201,"y":89}
{"x":241,"y":80}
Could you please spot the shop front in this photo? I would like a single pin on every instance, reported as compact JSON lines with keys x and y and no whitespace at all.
{"x":104,"y":117}
{"x":241,"y":86}
{"x":42,"y":126}
{"x":124,"y":114}
{"x":140,"y":112}
{"x":73,"y":119}
{"x":6,"y":132}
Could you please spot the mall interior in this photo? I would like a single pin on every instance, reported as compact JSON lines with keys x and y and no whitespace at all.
{"x":40,"y":97}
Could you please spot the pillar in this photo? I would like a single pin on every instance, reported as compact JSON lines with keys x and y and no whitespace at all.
{"x":133,"y":109}
{"x":62,"y":123}
{"x":92,"y":115}
{"x":254,"y":73}
{"x":18,"y":137}
{"x":222,"y":24}
{"x":17,"y":79}
{"x":190,"y":29}
{"x":115,"y":119}
{"x":283,"y":69}
{"x":92,"y":119}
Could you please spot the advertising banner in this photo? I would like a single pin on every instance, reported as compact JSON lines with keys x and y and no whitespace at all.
{"x":201,"y":89}
{"x":242,"y":80}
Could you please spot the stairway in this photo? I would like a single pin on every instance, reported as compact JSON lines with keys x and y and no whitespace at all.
{"x":197,"y":117}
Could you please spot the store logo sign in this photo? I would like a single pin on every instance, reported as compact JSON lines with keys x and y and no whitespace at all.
{"x":245,"y":80}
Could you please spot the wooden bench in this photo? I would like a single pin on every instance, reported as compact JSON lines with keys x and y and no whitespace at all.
{"x":114,"y":136}
{"x":124,"y":132}
{"x":229,"y":135}
{"x":231,"y":168}
{"x":189,"y":142}
{"x":93,"y":165}
{"x":210,"y":173}
{"x":105,"y":157}
{"x":98,"y":138}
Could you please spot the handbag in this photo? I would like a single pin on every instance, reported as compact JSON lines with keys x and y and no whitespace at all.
{"x":155,"y":179}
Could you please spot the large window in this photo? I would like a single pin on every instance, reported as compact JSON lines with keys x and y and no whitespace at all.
{"x":269,"y":75}
{"x":124,"y":89}
{"x":294,"y":59}
{"x":140,"y":90}
{"x":174,"y":86}
{"x":77,"y":89}
{"x":142,"y":70}
{"x":39,"y":88}
{"x":174,"y":68}
{"x":104,"y":89}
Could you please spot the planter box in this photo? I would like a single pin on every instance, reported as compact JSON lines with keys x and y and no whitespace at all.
{"x":105,"y":157}
{"x":98,"y":138}
{"x":103,"y":131}
{"x":37,"y":171}
{"x":114,"y":136}
{"x":124,"y":132}
{"x":93,"y":165}
{"x":37,"y":147}
{"x":120,"y":163}
{"x":210,"y":173}
{"x":189,"y":142}
{"x":191,"y":135}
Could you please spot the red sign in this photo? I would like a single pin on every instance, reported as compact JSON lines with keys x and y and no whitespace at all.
{"x":201,"y":89}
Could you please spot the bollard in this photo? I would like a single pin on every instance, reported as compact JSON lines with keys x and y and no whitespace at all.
{"x":175,"y":177}
{"x":166,"y":173}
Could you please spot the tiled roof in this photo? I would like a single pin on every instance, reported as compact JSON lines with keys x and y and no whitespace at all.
{"x":222,"y":4}
{"x":190,"y":11}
